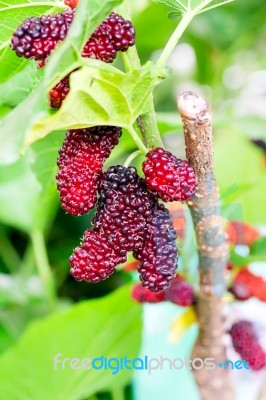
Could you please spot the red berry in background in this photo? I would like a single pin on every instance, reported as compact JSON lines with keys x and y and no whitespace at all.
{"x":143,"y":295}
{"x":71,"y":3}
{"x":94,"y":260}
{"x":241,"y":233}
{"x":123,"y":208}
{"x":171,"y":178}
{"x":255,"y":285}
{"x":80,"y":162}
{"x":37,"y":37}
{"x":158,"y":255}
{"x":177,"y":211}
{"x":246,"y":343}
{"x":180,"y":292}
{"x":59,"y":92}
{"x":240,"y":291}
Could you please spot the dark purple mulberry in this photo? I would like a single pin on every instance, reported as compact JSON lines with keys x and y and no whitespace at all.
{"x":122,"y":31}
{"x":158,"y":255}
{"x":37,"y":37}
{"x":123,"y":208}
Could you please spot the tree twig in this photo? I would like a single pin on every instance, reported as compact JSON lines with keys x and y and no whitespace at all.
{"x":212,"y":246}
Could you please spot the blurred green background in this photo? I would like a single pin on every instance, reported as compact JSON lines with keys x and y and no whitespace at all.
{"x":43,"y":311}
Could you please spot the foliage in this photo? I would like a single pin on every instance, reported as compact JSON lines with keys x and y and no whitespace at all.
{"x":30,"y":135}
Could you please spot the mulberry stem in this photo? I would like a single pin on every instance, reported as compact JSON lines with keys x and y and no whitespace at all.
{"x":132,"y":157}
{"x":172,"y":42}
{"x":43,"y":266}
{"x":147,"y":123}
{"x":137,"y":139}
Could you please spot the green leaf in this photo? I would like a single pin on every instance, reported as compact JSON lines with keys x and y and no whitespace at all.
{"x":63,"y":60}
{"x":258,"y":248}
{"x":173,"y":15}
{"x":25,"y":114}
{"x":15,"y":11}
{"x":19,"y":192}
{"x":19,"y":86}
{"x":89,"y":14}
{"x":199,"y":6}
{"x":28,"y":196}
{"x":109,"y":327}
{"x":248,"y":177}
{"x":10,"y":63}
{"x":204,"y":5}
{"x":101,"y":95}
{"x":44,"y":167}
{"x":176,"y":4}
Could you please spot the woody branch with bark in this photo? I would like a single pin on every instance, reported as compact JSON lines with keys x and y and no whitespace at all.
{"x":212,"y":246}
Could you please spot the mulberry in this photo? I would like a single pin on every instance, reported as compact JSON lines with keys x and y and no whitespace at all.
{"x":172,"y":179}
{"x":80,"y":162}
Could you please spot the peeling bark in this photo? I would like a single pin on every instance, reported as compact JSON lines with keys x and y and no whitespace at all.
{"x":212,"y":246}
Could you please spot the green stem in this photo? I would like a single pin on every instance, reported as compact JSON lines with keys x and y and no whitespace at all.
{"x":126,"y":61}
{"x":146,"y":122}
{"x":172,"y":42}
{"x":41,"y":258}
{"x":118,"y":393}
{"x":132,"y":55}
{"x":137,"y":139}
{"x":27,"y":265}
{"x":131,"y":158}
{"x":8,"y":253}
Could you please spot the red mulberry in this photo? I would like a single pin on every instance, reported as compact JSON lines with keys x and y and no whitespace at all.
{"x":254,"y":285}
{"x":172,"y":179}
{"x":143,"y":295}
{"x":246,"y":343}
{"x":80,"y":162}
{"x":94,"y":260}
{"x":180,"y":292}
{"x":71,"y":3}
{"x":59,"y":92}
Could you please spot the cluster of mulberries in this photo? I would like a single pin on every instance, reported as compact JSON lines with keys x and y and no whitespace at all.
{"x":37,"y":37}
{"x":179,"y":292}
{"x":129,"y":218}
{"x":246,"y":285}
{"x":246,"y":343}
